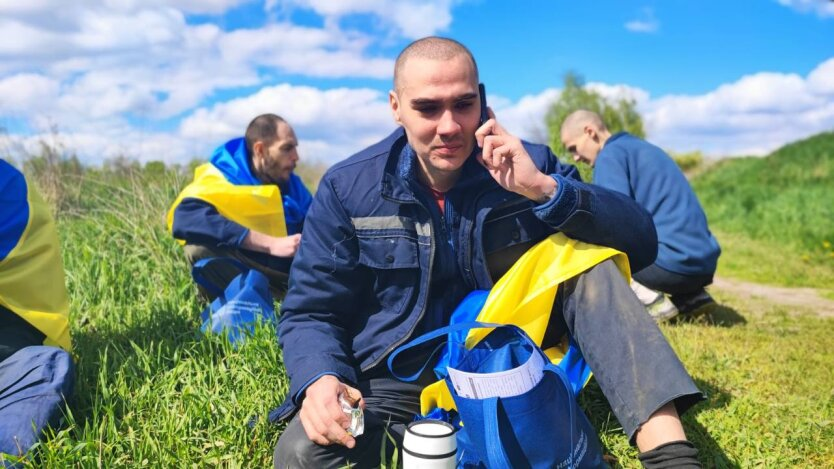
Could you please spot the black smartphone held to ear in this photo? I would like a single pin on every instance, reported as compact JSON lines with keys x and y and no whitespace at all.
{"x":484,"y":113}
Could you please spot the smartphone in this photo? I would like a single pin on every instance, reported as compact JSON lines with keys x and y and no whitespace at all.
{"x":484,"y":114}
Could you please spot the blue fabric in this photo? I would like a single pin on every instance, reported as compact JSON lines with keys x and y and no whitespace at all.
{"x":232,"y":160}
{"x":198,"y":222}
{"x":541,"y":428}
{"x":14,"y":207}
{"x":361,"y":279}
{"x":33,"y":385}
{"x":238,"y":306}
{"x":573,"y":363}
{"x":648,"y":175}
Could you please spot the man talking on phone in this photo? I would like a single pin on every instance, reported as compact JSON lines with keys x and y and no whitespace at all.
{"x":399,"y":233}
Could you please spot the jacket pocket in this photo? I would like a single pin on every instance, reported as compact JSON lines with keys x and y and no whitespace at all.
{"x":394,"y":264}
{"x":389,"y":252}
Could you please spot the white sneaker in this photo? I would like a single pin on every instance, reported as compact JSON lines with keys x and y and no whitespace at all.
{"x":658,"y":305}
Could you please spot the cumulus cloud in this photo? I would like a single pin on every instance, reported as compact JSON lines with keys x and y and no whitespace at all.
{"x":525,"y":117}
{"x":25,"y":91}
{"x":410,"y":18}
{"x":646,"y":23}
{"x":753,"y":115}
{"x":823,"y":8}
{"x":340,"y":121}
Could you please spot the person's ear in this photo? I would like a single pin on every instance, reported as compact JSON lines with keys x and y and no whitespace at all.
{"x":590,"y":132}
{"x":258,"y":150}
{"x":394,"y":102}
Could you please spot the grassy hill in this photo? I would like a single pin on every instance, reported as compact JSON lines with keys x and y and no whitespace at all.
{"x":774,"y":216}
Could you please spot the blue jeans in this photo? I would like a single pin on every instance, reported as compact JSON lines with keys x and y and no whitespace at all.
{"x":634,"y":365}
{"x":34,"y":382}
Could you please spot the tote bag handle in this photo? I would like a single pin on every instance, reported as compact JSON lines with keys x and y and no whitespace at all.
{"x":434,"y":335}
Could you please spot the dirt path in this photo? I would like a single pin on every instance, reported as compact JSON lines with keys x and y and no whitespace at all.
{"x":804,"y":298}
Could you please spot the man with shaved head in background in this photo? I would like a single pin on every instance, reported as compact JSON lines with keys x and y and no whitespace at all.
{"x":687,"y":252}
{"x":399,"y":233}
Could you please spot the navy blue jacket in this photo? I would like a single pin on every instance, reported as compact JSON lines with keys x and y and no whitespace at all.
{"x":648,"y":175}
{"x":360,"y":280}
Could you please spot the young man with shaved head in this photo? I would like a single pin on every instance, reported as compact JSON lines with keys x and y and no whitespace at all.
{"x":687,"y":251}
{"x":399,"y":233}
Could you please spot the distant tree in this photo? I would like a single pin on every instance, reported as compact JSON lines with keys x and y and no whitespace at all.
{"x":619,"y":116}
{"x":154,"y":169}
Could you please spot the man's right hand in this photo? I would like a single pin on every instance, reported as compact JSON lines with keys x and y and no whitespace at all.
{"x":322,"y":416}
{"x":285,"y":246}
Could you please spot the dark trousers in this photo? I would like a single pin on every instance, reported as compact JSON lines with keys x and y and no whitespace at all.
{"x":276,"y":269}
{"x":389,"y":406}
{"x":678,"y":286}
{"x":634,"y":365}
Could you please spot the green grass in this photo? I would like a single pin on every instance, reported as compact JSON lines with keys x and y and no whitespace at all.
{"x":774,"y":216}
{"x":151,"y":391}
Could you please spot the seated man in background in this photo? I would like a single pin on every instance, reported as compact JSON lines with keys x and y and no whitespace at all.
{"x":36,"y":372}
{"x":247,"y":204}
{"x":687,"y":252}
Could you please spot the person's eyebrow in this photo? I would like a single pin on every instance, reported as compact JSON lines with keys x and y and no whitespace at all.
{"x":427,"y":101}
{"x":423,"y":101}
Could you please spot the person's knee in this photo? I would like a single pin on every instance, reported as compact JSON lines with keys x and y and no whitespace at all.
{"x":36,"y":381}
{"x":195,"y":252}
{"x":600,"y":290}
{"x":294,"y":450}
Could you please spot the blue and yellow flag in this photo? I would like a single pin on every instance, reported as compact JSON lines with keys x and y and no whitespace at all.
{"x":524,"y":296}
{"x":227,"y":183}
{"x":31,"y":271}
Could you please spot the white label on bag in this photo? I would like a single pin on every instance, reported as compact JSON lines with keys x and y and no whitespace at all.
{"x":501,"y":383}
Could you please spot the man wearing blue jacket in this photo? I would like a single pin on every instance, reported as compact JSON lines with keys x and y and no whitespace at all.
{"x":245,"y":203}
{"x":399,"y":233}
{"x":687,"y":252}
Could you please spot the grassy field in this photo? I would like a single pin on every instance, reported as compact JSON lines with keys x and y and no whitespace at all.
{"x":153,"y":392}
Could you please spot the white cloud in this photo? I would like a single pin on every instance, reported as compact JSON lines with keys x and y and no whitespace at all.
{"x":525,"y":118}
{"x":754,"y":115}
{"x":823,"y":8}
{"x":305,"y":51}
{"x":22,"y":92}
{"x":821,"y":79}
{"x":340,"y":121}
{"x":411,"y":18}
{"x":646,"y":23}
{"x":614,"y":93}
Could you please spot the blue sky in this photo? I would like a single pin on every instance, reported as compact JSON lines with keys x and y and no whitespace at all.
{"x":171,"y":79}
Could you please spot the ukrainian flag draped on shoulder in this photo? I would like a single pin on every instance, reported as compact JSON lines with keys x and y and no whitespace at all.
{"x":31,"y":270}
{"x":227,"y":183}
{"x":524,"y":296}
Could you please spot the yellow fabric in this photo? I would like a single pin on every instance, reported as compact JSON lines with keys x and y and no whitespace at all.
{"x":258,"y":208}
{"x":32,"y":276}
{"x":524,"y":296}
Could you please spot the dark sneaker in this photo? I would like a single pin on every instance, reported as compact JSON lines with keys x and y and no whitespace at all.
{"x":694,"y":305}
